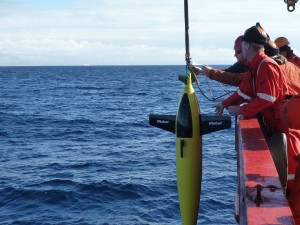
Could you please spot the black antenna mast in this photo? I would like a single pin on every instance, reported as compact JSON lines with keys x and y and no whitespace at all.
{"x":187,"y":41}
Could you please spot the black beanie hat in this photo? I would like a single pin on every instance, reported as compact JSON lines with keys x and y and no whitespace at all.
{"x":256,"y":34}
{"x":271,"y":49}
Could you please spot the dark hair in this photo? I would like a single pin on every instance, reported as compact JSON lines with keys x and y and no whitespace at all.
{"x":285,"y":48}
{"x":271,"y":49}
{"x":257,"y":47}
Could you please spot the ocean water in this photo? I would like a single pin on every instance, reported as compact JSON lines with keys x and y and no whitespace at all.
{"x":76,"y":148}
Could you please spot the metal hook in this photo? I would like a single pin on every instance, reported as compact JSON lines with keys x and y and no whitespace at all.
{"x":290,"y":4}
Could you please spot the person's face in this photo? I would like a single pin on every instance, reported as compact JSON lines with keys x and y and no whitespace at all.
{"x":239,"y":55}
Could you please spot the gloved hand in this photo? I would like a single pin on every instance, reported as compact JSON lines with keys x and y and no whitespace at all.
{"x":197,"y":70}
{"x":206,"y":70}
{"x":219,"y":109}
{"x":234,"y":110}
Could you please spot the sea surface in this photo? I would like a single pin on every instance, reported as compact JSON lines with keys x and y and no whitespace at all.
{"x":76,"y":148}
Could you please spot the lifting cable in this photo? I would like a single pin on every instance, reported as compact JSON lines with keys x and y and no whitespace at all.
{"x":188,"y":58}
{"x":211,"y":98}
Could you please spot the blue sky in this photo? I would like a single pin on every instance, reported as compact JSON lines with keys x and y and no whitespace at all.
{"x":134,"y":32}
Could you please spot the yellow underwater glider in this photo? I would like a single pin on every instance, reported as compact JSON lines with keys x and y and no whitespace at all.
{"x":189,"y":126}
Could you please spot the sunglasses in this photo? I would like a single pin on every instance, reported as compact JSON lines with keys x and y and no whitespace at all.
{"x":237,"y":52}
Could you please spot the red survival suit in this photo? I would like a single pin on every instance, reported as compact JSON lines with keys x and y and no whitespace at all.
{"x":264,"y":88}
{"x":290,"y":69}
{"x":289,"y":112}
{"x":292,"y":76}
{"x":293,"y":58}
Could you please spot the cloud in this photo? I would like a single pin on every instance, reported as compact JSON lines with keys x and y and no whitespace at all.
{"x":73,"y":52}
{"x":118,"y":32}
